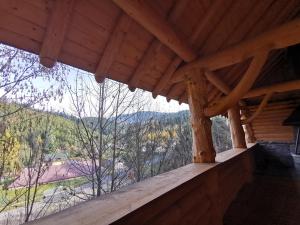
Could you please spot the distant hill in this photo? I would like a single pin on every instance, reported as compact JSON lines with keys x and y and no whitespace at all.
{"x":145,"y":116}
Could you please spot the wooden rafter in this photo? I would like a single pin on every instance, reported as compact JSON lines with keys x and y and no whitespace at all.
{"x":242,"y":88}
{"x":260,"y":108}
{"x":277,"y":38}
{"x":217,"y":6}
{"x":276,"y":88}
{"x":217,"y":82}
{"x":55,"y":33}
{"x":145,"y":15}
{"x":112,"y":47}
{"x":153,"y":49}
{"x":239,"y":34}
{"x":165,"y":78}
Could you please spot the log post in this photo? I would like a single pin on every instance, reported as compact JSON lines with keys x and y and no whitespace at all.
{"x":236,"y":129}
{"x":203,"y":150}
{"x":250,"y":137}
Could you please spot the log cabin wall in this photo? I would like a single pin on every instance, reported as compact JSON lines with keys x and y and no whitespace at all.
{"x":268,"y":125}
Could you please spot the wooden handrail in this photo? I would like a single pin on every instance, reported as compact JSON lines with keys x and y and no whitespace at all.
{"x":175,"y":193}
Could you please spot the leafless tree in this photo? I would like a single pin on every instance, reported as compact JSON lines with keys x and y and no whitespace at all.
{"x":99,"y":108}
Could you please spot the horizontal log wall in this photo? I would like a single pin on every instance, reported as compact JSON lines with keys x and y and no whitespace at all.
{"x":268,"y":125}
{"x":193,"y":194}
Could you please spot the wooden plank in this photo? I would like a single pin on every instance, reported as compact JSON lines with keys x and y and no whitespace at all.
{"x":234,"y":17}
{"x":113,"y":46}
{"x":23,"y":9}
{"x":20,"y":26}
{"x":55,"y":33}
{"x":277,"y":38}
{"x":154,"y":48}
{"x":91,"y":10}
{"x":145,"y":15}
{"x":261,"y":16}
{"x":217,"y":8}
{"x":19,"y":41}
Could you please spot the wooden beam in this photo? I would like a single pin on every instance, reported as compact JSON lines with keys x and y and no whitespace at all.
{"x":277,"y":38}
{"x":261,"y":106}
{"x":203,"y":150}
{"x":217,"y":6}
{"x":155,"y":47}
{"x":236,"y":129}
{"x":113,"y":46}
{"x":241,"y":89}
{"x":144,"y":14}
{"x":217,"y":82}
{"x":55,"y":33}
{"x":165,"y":78}
{"x":276,"y":88}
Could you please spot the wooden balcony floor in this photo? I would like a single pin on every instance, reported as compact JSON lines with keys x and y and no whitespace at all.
{"x":273,"y":198}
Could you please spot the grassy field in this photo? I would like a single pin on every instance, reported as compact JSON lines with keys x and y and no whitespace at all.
{"x":17,"y":195}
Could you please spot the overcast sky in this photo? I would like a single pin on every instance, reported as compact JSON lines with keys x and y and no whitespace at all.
{"x":159,"y":104}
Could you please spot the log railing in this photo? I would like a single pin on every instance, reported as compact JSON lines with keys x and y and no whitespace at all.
{"x":194,"y":194}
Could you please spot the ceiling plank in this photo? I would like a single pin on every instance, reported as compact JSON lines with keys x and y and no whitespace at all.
{"x":55,"y":33}
{"x":280,"y":37}
{"x":217,"y":8}
{"x":113,"y":46}
{"x":152,"y":21}
{"x":154,"y":48}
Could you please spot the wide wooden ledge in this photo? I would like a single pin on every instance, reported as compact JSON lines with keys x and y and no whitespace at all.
{"x":112,"y":207}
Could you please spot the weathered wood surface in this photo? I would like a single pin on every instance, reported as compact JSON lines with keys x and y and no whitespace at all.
{"x":145,"y":15}
{"x":56,"y":31}
{"x":280,"y":37}
{"x":206,"y":27}
{"x":203,"y":149}
{"x":169,"y":198}
{"x":112,"y":47}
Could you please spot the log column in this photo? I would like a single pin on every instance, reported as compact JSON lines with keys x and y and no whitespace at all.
{"x":236,"y":128}
{"x":250,"y":137}
{"x":203,"y":150}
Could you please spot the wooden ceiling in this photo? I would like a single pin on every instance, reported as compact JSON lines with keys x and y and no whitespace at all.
{"x":98,"y":37}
